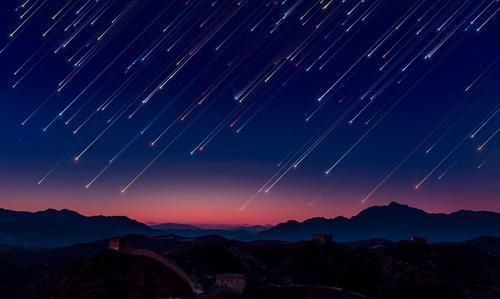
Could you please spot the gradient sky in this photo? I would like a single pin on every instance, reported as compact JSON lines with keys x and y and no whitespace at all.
{"x":253,"y":145}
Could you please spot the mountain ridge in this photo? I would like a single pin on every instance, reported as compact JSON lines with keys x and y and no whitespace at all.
{"x":55,"y":228}
{"x":394,"y":221}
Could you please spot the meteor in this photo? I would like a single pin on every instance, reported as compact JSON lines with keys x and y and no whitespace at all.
{"x":332,"y":67}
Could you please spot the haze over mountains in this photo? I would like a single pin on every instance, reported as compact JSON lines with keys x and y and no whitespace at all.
{"x":53,"y":228}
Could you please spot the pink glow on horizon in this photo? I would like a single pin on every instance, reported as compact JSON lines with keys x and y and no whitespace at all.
{"x":213,"y":209}
{"x":217,"y":202}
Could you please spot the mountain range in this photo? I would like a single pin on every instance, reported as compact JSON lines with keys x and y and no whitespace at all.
{"x":56,"y":228}
{"x":392,"y":222}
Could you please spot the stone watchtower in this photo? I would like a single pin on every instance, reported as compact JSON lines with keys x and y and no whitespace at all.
{"x":322,"y":239}
{"x":118,"y":244}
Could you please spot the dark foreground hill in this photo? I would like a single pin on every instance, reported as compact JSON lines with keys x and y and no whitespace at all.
{"x":397,"y":270}
{"x":392,"y":222}
{"x":66,"y":255}
{"x":387,"y":270}
{"x":107,"y":275}
{"x":55,"y":228}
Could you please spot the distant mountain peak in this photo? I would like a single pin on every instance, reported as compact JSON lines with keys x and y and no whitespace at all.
{"x":397,"y":204}
{"x":60,"y":212}
{"x":316,"y":219}
{"x":394,"y":221}
{"x":392,"y":208}
{"x":54,"y":228}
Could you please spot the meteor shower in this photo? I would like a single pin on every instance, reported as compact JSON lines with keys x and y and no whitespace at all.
{"x":250,"y":149}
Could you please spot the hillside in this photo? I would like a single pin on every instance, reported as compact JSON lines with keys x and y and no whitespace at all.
{"x":107,"y":275}
{"x":305,"y":269}
{"x":392,"y":222}
{"x":56,"y":228}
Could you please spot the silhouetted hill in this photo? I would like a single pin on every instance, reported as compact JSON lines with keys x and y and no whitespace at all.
{"x":488,"y":244}
{"x":251,"y":228}
{"x":53,"y":228}
{"x":392,"y":222}
{"x":21,"y":257}
{"x":106,"y":275}
{"x":229,"y":234}
{"x":174,"y":226}
{"x":304,"y":269}
{"x":186,"y":230}
{"x":308,"y":270}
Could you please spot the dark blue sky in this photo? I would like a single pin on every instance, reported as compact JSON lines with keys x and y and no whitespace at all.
{"x":238,"y":110}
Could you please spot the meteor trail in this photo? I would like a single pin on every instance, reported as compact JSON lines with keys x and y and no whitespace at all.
{"x":301,"y":84}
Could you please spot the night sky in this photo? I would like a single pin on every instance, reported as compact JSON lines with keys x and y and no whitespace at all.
{"x":243,"y":112}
